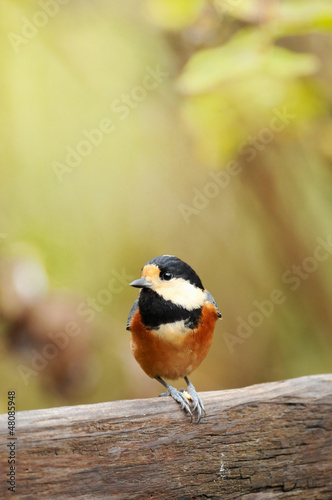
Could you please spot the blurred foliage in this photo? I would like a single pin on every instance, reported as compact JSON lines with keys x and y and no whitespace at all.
{"x":190,"y":88}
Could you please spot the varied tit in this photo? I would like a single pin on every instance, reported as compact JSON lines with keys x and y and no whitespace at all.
{"x":172,"y":324}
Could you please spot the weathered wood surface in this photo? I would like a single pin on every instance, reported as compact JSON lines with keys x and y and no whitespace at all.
{"x":261,"y":442}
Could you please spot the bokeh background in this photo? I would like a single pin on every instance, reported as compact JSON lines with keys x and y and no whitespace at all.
{"x":131,"y":129}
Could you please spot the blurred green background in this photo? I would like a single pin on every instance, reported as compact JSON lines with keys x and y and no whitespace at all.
{"x":131,"y":129}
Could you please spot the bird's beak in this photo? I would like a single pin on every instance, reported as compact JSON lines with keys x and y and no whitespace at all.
{"x":141,"y":283}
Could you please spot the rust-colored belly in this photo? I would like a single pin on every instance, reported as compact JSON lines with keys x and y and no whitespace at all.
{"x":173,"y":356}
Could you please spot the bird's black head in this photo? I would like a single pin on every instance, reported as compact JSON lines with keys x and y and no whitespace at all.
{"x":172,"y":283}
{"x":171,"y":267}
{"x":171,"y":291}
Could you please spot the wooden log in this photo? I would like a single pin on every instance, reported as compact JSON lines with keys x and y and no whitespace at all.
{"x":266,"y":441}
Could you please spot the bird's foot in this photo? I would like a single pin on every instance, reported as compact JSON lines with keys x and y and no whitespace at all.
{"x":187,"y":398}
{"x":196,"y":402}
{"x":163,"y":394}
{"x":180,"y":398}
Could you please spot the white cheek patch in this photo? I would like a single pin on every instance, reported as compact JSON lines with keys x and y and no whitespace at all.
{"x":180,"y":292}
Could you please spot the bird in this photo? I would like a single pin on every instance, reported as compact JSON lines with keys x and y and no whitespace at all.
{"x":171,"y":325}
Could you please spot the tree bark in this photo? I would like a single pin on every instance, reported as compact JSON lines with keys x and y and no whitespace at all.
{"x":265,"y":441}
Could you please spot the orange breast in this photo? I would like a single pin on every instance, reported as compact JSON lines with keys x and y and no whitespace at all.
{"x":175,"y":357}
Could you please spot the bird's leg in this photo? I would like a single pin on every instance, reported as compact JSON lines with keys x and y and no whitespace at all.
{"x":177,"y":395}
{"x":196,"y":400}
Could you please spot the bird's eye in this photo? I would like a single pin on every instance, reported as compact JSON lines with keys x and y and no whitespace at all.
{"x":166,"y":276}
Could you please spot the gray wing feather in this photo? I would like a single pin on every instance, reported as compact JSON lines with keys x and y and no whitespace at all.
{"x":209,"y":298}
{"x":131,"y":314}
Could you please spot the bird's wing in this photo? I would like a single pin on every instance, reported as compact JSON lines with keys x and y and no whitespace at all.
{"x":131,"y":314}
{"x":209,"y":298}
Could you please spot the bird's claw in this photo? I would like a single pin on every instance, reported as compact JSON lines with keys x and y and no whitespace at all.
{"x":197,"y":404}
{"x":187,"y":398}
{"x":179,"y":398}
{"x":163,"y":394}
